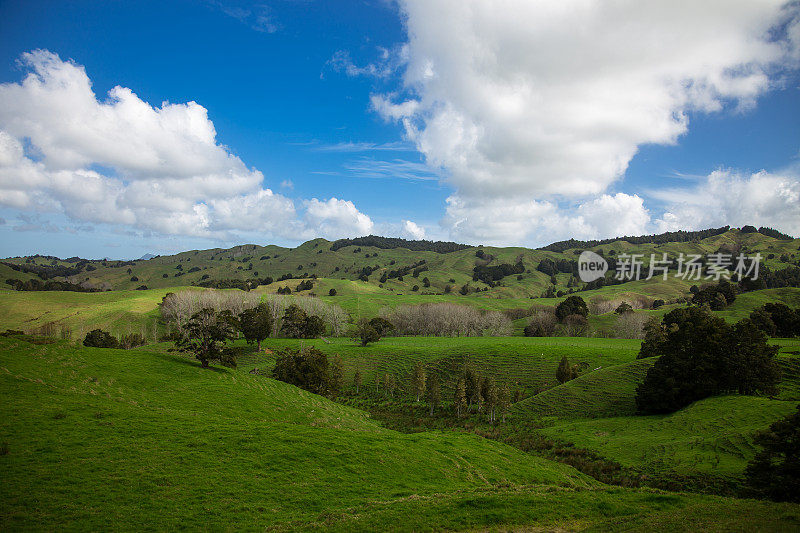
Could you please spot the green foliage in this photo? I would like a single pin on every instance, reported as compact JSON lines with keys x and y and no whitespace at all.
{"x":308,"y":369}
{"x":717,"y":297}
{"x":98,"y":338}
{"x":382,"y":326}
{"x":623,"y":308}
{"x":775,"y":470}
{"x":298,"y":325}
{"x":703,"y":356}
{"x":256,"y":324}
{"x":565,"y":371}
{"x":572,"y":305}
{"x":205,"y":335}
{"x":365,"y":333}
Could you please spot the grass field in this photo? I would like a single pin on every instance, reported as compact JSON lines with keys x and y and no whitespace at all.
{"x":527,"y":363}
{"x":103,"y":437}
{"x":603,"y":393}
{"x":712,"y":436}
{"x":99,"y":439}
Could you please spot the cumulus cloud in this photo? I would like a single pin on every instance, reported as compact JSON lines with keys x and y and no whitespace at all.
{"x":123,"y":161}
{"x":529,"y":103}
{"x":413,"y":231}
{"x":336,"y":218}
{"x":727,"y":197}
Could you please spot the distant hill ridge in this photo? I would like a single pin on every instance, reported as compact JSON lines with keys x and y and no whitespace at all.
{"x":390,"y":243}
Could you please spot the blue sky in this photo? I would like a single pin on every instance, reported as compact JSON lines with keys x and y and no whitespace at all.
{"x":311,"y":94}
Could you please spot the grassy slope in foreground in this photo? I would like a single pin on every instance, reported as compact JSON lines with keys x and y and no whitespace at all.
{"x":101,"y":439}
{"x":711,"y":436}
{"x":104,"y":438}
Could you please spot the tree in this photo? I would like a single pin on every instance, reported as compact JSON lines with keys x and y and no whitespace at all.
{"x":357,"y":380}
{"x":426,"y":282}
{"x":364,"y":333}
{"x":298,"y":325}
{"x":97,"y":338}
{"x":654,"y":335}
{"x":434,"y":392}
{"x":491,"y":399}
{"x":787,"y":321}
{"x":542,"y":324}
{"x":504,"y":401}
{"x":418,"y":380}
{"x":390,"y":384}
{"x":332,"y":292}
{"x":256,"y":324}
{"x":566,"y":372}
{"x":308,"y":369}
{"x":336,"y":375}
{"x":775,"y":470}
{"x":460,"y":399}
{"x":623,"y":308}
{"x":205,"y":335}
{"x":701,"y":356}
{"x":763,"y":321}
{"x":573,"y":305}
{"x":382,"y":326}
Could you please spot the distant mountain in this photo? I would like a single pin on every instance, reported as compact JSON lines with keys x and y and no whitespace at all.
{"x":389,"y":266}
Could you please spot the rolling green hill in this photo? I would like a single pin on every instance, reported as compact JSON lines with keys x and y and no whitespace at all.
{"x":527,"y":363}
{"x":609,"y":391}
{"x":324,"y":259}
{"x":711,"y":436}
{"x":96,"y":439}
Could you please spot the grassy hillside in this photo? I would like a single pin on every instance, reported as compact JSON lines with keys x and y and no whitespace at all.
{"x":249,"y":262}
{"x":605,"y":392}
{"x":97,"y":438}
{"x":712,"y":436}
{"x":525,"y":363}
{"x":106,"y":439}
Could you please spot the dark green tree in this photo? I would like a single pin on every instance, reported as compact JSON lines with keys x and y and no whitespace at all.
{"x":205,"y":335}
{"x":703,"y":356}
{"x":308,"y":369}
{"x":97,"y":338}
{"x":775,"y":470}
{"x":364,"y":333}
{"x":565,"y":371}
{"x":256,"y":324}
{"x":573,"y":305}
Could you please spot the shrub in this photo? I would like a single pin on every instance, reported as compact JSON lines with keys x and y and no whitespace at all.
{"x":308,"y":369}
{"x":575,"y":326}
{"x":97,"y":338}
{"x":623,"y":308}
{"x":542,"y":324}
{"x":447,"y":320}
{"x":332,"y":292}
{"x":573,"y":305}
{"x":132,"y":340}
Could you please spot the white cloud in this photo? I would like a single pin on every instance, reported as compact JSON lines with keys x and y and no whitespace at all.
{"x":336,"y":218}
{"x":413,"y":231}
{"x":725,"y":197}
{"x":123,"y":161}
{"x":608,"y":216}
{"x":529,"y":103}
